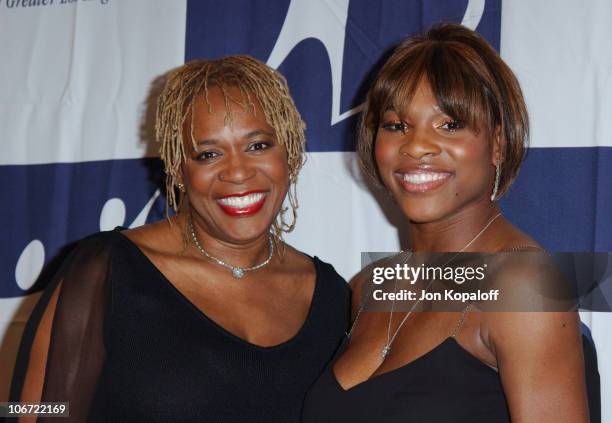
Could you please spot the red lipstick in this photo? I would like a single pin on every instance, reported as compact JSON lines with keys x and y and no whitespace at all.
{"x":242,"y":204}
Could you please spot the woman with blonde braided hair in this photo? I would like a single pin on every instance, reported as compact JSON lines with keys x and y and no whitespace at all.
{"x":206,"y":315}
{"x":247,"y":76}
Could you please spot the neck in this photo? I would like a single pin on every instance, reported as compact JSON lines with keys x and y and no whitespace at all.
{"x":454,"y":232}
{"x":242,"y":254}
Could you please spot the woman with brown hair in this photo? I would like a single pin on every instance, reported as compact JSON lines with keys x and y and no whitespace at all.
{"x":208,"y":315}
{"x":444,"y":131}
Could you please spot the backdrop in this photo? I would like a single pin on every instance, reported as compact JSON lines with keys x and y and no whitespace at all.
{"x":79,"y":78}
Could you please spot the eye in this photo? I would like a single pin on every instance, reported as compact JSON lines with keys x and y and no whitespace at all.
{"x":207,"y":155}
{"x":452,"y":125}
{"x":259,"y":146}
{"x":394,"y":126}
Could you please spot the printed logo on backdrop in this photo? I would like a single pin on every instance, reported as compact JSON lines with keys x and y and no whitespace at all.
{"x":71,"y":201}
{"x":326,"y":49}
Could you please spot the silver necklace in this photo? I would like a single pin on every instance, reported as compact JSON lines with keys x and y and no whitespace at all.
{"x":387,"y":347}
{"x":237,"y":271}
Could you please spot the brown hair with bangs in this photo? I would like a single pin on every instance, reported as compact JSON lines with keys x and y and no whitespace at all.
{"x":470,"y":82}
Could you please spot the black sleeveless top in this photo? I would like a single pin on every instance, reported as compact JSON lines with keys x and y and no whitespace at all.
{"x":127,"y":346}
{"x":446,"y":385}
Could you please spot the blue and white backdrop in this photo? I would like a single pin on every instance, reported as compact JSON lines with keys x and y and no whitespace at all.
{"x":78,"y":80}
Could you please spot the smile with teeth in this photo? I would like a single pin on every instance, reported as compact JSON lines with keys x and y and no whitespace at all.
{"x":241,"y":205}
{"x":421,"y":178}
{"x":422,"y":181}
{"x":242,"y":202}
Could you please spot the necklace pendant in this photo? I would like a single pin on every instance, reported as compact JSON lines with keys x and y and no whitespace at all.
{"x":385,"y":351}
{"x":237,"y":272}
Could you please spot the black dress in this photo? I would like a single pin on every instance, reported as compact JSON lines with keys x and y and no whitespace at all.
{"x":127,"y":346}
{"x":446,"y":385}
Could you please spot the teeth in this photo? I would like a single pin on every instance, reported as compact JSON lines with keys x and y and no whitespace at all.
{"x":242,"y":202}
{"x":421,"y":178}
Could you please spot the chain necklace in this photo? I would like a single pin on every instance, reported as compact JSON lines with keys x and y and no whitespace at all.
{"x":237,"y":272}
{"x":387,"y":347}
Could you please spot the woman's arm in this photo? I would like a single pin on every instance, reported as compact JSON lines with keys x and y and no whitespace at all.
{"x":535,"y":336}
{"x":35,"y":371}
{"x":540,"y":361}
{"x":63,"y":346}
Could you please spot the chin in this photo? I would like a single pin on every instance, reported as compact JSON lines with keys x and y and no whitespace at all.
{"x":419,"y":211}
{"x":423,"y":210}
{"x":422,"y":216}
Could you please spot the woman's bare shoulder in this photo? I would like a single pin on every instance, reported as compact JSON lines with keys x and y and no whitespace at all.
{"x":158,"y":237}
{"x":295,"y":259}
{"x":363,"y":282}
{"x":511,"y":238}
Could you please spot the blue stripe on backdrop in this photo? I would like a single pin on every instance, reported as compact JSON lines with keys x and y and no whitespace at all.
{"x":370,"y":32}
{"x":554,"y":199}
{"x":61,"y":203}
{"x":563,"y":197}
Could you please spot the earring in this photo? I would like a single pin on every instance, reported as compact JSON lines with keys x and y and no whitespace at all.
{"x":279,"y":225}
{"x":293,"y":206}
{"x":496,"y":184}
{"x":181,"y":187}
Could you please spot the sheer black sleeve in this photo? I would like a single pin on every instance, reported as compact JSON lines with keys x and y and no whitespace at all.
{"x":63,"y":347}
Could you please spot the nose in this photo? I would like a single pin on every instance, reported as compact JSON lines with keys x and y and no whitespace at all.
{"x":237,"y":169}
{"x":419,"y":143}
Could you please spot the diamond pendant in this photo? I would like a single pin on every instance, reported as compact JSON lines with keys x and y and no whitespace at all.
{"x":237,"y":272}
{"x":385,"y":351}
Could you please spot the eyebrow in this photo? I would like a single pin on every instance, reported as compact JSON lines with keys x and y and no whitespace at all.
{"x":252,"y":134}
{"x":206,"y":142}
{"x":258,"y":132}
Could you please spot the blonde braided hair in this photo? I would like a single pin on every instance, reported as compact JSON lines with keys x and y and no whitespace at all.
{"x":252,"y":77}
